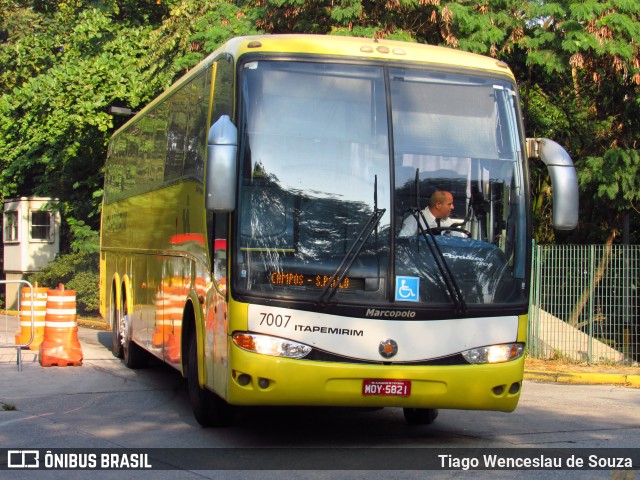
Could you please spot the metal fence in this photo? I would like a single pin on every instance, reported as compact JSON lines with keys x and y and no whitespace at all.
{"x":585,"y":304}
{"x":10,"y":323}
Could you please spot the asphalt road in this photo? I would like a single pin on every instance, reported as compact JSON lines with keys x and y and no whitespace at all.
{"x":104,"y":405}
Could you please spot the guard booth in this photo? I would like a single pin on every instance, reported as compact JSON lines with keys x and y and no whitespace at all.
{"x":31,"y":236}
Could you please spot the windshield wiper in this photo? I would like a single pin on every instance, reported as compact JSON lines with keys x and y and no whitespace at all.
{"x":354,"y":250}
{"x":455,"y":294}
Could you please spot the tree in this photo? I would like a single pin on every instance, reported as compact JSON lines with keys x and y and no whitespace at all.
{"x":63,"y":63}
{"x":75,"y":59}
{"x":614,"y":179}
{"x":59,"y":80}
{"x":584,"y":56}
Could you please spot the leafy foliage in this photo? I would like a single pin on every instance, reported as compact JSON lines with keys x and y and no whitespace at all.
{"x":76,"y":271}
{"x":54,"y":120}
{"x":64,"y":63}
{"x":584,"y":56}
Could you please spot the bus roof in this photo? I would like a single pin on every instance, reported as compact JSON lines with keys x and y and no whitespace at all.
{"x":347,"y":47}
{"x":363,"y":48}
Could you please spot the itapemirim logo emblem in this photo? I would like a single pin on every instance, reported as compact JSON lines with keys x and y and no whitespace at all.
{"x":388,"y":348}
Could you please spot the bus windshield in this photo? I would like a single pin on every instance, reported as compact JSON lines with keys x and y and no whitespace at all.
{"x":338,"y":165}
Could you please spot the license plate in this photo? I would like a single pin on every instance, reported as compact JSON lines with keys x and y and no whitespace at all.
{"x":397,"y":388}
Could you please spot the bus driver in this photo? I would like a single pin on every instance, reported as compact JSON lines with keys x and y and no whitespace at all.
{"x":436,"y":213}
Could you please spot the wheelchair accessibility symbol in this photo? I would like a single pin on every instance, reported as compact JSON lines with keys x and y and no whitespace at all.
{"x":407,"y":289}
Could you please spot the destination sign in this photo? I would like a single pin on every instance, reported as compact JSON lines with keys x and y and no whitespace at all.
{"x":305,"y":280}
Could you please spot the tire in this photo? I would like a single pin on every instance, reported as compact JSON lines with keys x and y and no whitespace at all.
{"x":208,"y":408}
{"x":420,"y":416}
{"x":114,"y":322}
{"x":133,"y":356}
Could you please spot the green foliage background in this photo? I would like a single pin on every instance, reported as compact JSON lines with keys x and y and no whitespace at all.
{"x":76,"y":271}
{"x":63,"y":63}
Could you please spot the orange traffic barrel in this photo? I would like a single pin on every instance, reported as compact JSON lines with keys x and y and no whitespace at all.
{"x":60,"y":346}
{"x":39,"y":303}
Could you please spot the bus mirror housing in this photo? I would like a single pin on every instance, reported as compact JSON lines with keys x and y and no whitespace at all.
{"x":221,"y":168}
{"x":564,"y":181}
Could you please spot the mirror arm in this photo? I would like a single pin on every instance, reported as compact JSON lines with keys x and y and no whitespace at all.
{"x":564,"y":181}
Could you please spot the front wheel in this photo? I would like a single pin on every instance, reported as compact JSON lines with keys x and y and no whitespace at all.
{"x":208,"y":408}
{"x":420,"y":416}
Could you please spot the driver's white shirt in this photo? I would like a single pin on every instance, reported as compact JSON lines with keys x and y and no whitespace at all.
{"x":410,"y":226}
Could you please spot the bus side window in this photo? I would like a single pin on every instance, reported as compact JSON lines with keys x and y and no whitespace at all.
{"x":177,"y":132}
{"x":196,"y":138}
{"x":221,"y":75}
{"x":222,"y":100}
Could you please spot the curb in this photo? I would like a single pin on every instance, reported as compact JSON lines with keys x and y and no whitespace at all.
{"x":622,"y":379}
{"x":94,"y":324}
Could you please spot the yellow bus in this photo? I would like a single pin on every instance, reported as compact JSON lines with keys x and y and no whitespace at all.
{"x":266,"y":228}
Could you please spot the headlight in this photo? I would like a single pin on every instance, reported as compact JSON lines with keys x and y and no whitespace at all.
{"x":274,"y":346}
{"x":494,"y":353}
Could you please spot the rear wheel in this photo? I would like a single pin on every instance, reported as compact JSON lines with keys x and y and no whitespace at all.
{"x":133,"y":356}
{"x":208,"y":408}
{"x":114,"y":322}
{"x":420,"y":416}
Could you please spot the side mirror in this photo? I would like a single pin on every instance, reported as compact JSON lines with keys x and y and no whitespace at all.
{"x":221,"y":168}
{"x":564,"y":181}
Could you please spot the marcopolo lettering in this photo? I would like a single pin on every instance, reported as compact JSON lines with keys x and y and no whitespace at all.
{"x":374,"y":312}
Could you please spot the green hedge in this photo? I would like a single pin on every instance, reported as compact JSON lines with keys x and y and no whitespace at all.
{"x":76,"y":271}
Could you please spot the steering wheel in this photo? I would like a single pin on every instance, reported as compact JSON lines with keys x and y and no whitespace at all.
{"x":451,"y":228}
